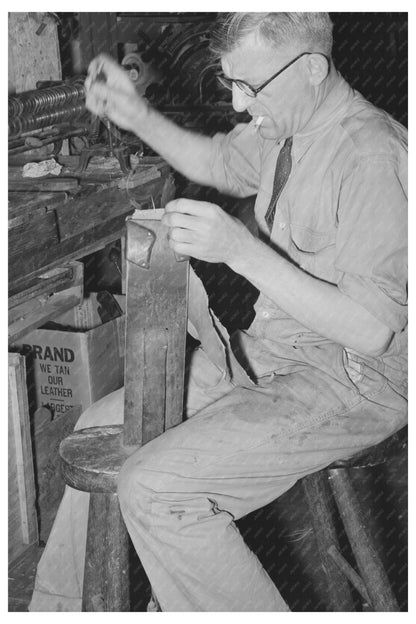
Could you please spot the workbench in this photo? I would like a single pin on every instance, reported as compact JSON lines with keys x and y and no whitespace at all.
{"x":56,"y":220}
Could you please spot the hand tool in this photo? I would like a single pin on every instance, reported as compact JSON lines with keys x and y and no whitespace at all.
{"x":101,"y":76}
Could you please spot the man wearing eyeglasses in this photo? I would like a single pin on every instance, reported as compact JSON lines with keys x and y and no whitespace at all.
{"x":326,"y":350}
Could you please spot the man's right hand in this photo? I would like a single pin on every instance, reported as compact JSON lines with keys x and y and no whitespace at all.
{"x":110,"y":93}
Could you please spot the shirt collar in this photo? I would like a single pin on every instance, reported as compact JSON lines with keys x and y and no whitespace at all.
{"x":332,"y":109}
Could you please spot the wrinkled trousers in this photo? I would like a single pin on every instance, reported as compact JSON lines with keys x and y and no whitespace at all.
{"x":242,"y":446}
{"x":181,"y":493}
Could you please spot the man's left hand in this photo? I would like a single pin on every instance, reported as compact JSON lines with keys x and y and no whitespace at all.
{"x":204,"y":231}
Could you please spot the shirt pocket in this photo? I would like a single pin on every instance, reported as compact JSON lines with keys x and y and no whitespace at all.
{"x":314,"y":252}
{"x":366,"y":373}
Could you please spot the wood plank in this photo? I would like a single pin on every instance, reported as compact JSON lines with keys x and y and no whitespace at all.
{"x":133,"y":383}
{"x":25,"y":203}
{"x":33,"y":314}
{"x":23,"y":528}
{"x":42,"y":308}
{"x":45,"y":184}
{"x":156,"y":303}
{"x":33,"y":50}
{"x":83,"y":222}
{"x":23,"y":266}
{"x":96,"y":245}
{"x":55,"y":280}
{"x":80,"y":214}
{"x":155,"y":377}
{"x":21,"y":578}
{"x":33,"y":234}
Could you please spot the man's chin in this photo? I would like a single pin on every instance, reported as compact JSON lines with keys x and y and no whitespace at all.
{"x":266,"y":127}
{"x":268,"y":133}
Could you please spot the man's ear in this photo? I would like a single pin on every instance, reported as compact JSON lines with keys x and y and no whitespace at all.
{"x":318,"y":68}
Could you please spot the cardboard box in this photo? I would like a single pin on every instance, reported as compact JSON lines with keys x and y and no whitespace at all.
{"x":78,"y":364}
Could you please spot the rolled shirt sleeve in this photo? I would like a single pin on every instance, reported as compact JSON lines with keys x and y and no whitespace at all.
{"x":235,"y":161}
{"x":372,"y":238}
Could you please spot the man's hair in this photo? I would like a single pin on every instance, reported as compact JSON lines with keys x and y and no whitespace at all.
{"x":306,"y":32}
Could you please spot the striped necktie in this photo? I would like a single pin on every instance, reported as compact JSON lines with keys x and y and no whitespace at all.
{"x":281,"y":174}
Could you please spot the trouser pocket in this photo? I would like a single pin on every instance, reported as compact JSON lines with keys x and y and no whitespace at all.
{"x":206,"y":382}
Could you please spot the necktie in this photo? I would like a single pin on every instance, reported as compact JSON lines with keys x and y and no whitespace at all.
{"x":281,"y":174}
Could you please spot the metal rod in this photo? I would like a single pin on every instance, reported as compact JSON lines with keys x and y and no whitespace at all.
{"x":354,"y":578}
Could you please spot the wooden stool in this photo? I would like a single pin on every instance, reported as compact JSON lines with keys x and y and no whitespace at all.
{"x":91,"y":460}
{"x":154,"y":371}
{"x":372,"y":583}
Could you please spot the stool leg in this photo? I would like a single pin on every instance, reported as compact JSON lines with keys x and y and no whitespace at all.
{"x":93,"y":587}
{"x":117,"y":594}
{"x":320,"y":503}
{"x":106,"y":572}
{"x":368,"y":561}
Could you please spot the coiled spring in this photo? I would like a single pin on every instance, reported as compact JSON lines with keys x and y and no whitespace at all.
{"x":41,"y":108}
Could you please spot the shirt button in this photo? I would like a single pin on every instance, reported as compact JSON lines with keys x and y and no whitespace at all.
{"x":265,"y":314}
{"x":282,"y":225}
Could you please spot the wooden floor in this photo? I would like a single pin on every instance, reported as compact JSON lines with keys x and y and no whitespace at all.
{"x":281,"y":536}
{"x":22,"y":577}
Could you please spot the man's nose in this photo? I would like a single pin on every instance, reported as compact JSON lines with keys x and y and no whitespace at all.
{"x":240,"y":99}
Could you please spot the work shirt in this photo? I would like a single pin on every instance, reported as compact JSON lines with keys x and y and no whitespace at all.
{"x":341,"y":217}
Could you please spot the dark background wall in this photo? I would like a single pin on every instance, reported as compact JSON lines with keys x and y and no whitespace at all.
{"x":371,"y":52}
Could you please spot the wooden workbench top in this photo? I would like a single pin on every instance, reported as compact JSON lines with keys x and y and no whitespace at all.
{"x":58,"y":218}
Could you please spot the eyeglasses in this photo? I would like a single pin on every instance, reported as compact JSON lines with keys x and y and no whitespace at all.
{"x":253,"y":91}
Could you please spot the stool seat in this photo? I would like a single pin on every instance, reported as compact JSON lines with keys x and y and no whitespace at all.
{"x":92,"y":458}
{"x":375,"y":455}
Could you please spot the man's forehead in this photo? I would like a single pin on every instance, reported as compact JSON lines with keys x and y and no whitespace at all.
{"x":249,"y":55}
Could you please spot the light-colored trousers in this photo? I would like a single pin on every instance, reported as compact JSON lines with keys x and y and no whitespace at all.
{"x":240,"y":448}
{"x":181,"y":493}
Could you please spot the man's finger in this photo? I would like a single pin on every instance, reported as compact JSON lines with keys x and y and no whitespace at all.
{"x":186,"y":206}
{"x":180,"y":220}
{"x":180,"y":235}
{"x":183,"y":249}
